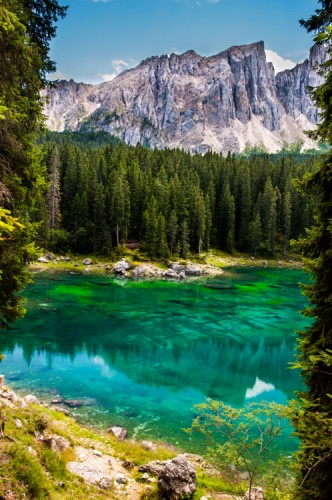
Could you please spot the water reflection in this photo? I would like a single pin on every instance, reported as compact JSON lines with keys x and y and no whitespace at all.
{"x":146,"y":352}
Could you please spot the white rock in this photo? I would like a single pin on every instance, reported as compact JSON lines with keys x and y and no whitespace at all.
{"x":119,"y":432}
{"x":120,"y":478}
{"x":149,"y":445}
{"x":42,"y":260}
{"x":32,"y":451}
{"x":31,"y":399}
{"x":18,"y":423}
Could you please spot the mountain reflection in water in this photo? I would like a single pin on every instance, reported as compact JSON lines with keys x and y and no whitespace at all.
{"x":146,"y":351}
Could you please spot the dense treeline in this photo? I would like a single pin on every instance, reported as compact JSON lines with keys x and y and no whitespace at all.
{"x":171,"y":201}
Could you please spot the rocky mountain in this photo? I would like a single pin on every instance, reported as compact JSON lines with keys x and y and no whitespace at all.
{"x":224,"y":102}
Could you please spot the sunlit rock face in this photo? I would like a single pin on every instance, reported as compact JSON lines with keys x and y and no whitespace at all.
{"x":222,"y":103}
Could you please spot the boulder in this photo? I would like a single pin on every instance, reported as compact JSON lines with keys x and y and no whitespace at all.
{"x":57,"y":401}
{"x":146,"y":270}
{"x":87,"y":262}
{"x":105,"y":483}
{"x":149,"y":445}
{"x":73,"y":403}
{"x":43,"y":260}
{"x":30,"y":399}
{"x":191,"y":270}
{"x":121,"y":267}
{"x":170,"y":274}
{"x":177,"y":479}
{"x":119,"y":432}
{"x":177,"y":267}
{"x":120,"y":478}
{"x":128,"y":464}
{"x":139,"y":271}
{"x":63,"y":410}
{"x":56,"y":443}
{"x":154,"y":468}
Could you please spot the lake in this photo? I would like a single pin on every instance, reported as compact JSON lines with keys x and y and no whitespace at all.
{"x":142,"y":353}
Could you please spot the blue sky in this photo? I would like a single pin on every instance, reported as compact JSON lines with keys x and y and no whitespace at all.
{"x":100,"y":38}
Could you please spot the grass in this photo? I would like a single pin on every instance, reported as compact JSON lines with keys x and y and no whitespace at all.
{"x":29,"y":469}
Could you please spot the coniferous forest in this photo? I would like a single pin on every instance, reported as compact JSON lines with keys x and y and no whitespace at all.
{"x":90,"y":193}
{"x":171,"y":202}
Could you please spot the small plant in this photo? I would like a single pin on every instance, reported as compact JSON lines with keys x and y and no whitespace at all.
{"x":239,"y":438}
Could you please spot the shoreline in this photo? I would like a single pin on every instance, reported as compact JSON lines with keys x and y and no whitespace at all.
{"x":209,"y":265}
{"x":95,"y":462}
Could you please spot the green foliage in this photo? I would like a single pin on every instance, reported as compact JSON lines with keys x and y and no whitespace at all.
{"x":15,"y":251}
{"x":29,"y":472}
{"x":240,"y":438}
{"x":26,"y":28}
{"x":278,"y":478}
{"x":54,"y":463}
{"x":313,"y":418}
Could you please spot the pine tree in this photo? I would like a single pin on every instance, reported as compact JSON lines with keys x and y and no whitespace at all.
{"x":120,"y":204}
{"x":150,"y":220}
{"x":26,"y":29}
{"x":53,"y":193}
{"x":162,"y":247}
{"x":313,"y":421}
{"x":172,"y":231}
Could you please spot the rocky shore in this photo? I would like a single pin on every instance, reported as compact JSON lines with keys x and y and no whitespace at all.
{"x":211,"y":265}
{"x":102,"y":465}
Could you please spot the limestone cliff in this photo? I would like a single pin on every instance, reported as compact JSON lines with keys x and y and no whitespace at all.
{"x":223,"y":102}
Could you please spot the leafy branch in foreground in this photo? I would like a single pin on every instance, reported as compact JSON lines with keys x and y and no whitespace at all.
{"x":15,"y":250}
{"x":313,"y":420}
{"x":240,"y":437}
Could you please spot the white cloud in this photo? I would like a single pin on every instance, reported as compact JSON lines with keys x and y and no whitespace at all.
{"x":118,"y":65}
{"x":259,"y":387}
{"x":279,"y":63}
{"x":101,"y":1}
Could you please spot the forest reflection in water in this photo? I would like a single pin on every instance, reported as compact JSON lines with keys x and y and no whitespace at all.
{"x":142,"y":353}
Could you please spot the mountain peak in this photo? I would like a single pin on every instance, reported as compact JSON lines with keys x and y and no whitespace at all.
{"x":222,"y":102}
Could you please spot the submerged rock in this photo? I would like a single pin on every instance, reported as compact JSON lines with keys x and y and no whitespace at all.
{"x":73,"y":403}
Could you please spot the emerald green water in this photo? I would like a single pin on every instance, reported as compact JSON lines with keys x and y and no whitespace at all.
{"x":142,"y":353}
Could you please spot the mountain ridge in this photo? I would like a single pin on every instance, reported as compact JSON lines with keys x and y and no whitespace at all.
{"x":224,"y":102}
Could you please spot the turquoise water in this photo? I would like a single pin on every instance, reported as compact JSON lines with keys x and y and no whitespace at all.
{"x":142,"y":353}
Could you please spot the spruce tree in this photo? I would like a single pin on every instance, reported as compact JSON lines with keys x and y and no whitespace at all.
{"x":26,"y":29}
{"x":313,"y":421}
